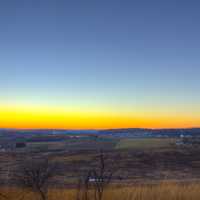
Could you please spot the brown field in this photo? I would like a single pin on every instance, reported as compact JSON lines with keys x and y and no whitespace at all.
{"x":146,"y":143}
{"x":139,"y":165}
{"x":162,"y":191}
{"x":130,"y":165}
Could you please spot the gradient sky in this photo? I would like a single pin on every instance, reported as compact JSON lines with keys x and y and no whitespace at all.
{"x":99,"y":64}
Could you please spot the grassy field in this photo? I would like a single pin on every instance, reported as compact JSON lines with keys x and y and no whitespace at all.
{"x":46,"y":146}
{"x":109,"y":144}
{"x":145,"y":143}
{"x":163,"y":191}
{"x":72,"y":144}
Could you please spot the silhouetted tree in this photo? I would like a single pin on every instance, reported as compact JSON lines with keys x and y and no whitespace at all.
{"x":102,"y":177}
{"x":36,"y":175}
{"x":96,"y":180}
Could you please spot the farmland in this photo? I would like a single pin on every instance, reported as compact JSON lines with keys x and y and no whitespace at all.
{"x":145,"y":143}
{"x":139,"y":164}
{"x":132,"y":164}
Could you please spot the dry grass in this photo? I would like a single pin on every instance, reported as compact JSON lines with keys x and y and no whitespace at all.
{"x":145,"y":143}
{"x":163,"y":191}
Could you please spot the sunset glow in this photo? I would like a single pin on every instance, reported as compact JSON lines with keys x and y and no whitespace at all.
{"x":37,"y":117}
{"x":107,"y":65}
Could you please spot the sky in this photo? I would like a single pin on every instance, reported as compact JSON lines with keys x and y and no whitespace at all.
{"x":99,"y":64}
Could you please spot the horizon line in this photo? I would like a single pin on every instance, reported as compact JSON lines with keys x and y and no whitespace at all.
{"x":96,"y":129}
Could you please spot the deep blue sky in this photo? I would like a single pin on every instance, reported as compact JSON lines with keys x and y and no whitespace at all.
{"x":112,"y":54}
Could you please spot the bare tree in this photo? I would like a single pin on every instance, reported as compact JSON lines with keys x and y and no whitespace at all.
{"x":102,"y":177}
{"x":36,"y":175}
{"x":96,"y":179}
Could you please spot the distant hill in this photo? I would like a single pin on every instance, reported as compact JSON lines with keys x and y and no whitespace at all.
{"x":125,"y":132}
{"x":142,"y":132}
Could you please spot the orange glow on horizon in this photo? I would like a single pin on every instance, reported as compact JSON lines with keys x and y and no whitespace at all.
{"x":51,"y":118}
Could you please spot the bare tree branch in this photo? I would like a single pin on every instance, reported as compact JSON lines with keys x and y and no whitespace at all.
{"x":97,"y":179}
{"x":36,"y":175}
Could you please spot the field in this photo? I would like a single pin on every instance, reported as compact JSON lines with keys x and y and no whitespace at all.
{"x":70,"y":144}
{"x":130,"y":164}
{"x":145,"y":143}
{"x":103,"y":143}
{"x":143,"y":168}
{"x":162,"y":191}
{"x":135,"y":159}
